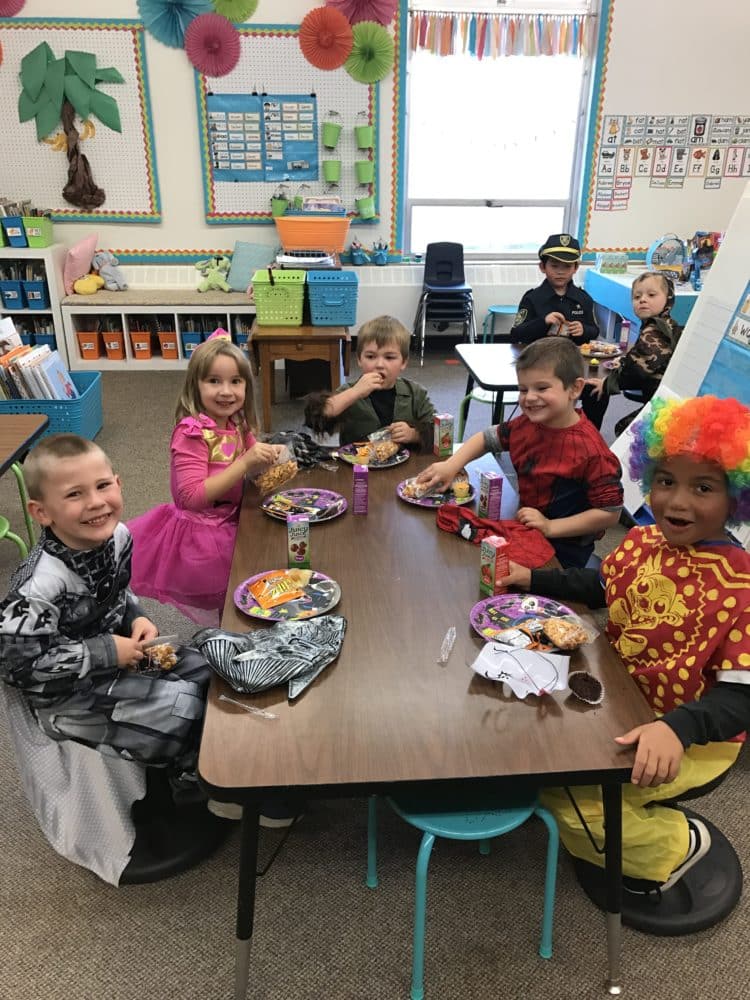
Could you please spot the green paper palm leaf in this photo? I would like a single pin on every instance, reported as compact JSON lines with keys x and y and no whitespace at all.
{"x":109,"y":75}
{"x":47,"y":119}
{"x":34,"y":69}
{"x":372,"y":54}
{"x":54,"y":84}
{"x":84,"y":65}
{"x":106,"y":110}
{"x":236,"y":10}
{"x":78,"y":94}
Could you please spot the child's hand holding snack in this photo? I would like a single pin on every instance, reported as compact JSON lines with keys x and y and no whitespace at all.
{"x":575,"y":328}
{"x":403,"y":433}
{"x":368,"y":383}
{"x":260,"y":457}
{"x":129,"y":652}
{"x":555,"y":319}
{"x":518,"y":576}
{"x":438,"y":476}
{"x":143,"y":630}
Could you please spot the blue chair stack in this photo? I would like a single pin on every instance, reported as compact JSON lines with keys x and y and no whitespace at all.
{"x":445,"y":296}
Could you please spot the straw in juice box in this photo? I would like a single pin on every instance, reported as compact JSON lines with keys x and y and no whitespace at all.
{"x":359,"y":489}
{"x":298,"y":540}
{"x":443,"y":439}
{"x":490,"y":495}
{"x":493,"y":565}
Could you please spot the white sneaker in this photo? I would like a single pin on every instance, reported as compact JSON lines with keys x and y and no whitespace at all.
{"x":700,"y":844}
{"x":225,"y":810}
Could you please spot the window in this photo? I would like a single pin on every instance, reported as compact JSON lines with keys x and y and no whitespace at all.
{"x":493,"y":145}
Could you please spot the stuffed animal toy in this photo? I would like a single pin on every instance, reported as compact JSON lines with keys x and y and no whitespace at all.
{"x":88,"y":284}
{"x":106,"y":264}
{"x":213,"y":270}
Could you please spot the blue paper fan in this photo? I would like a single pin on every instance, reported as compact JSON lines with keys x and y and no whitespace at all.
{"x":167,"y":20}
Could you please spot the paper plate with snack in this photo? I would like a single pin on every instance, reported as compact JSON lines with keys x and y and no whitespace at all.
{"x":525,"y":621}
{"x":287,"y":595}
{"x":460,"y":491}
{"x":375,"y":454}
{"x":319,"y":505}
{"x":600,"y":349}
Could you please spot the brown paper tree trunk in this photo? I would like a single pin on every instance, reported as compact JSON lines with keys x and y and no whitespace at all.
{"x":81,"y":189}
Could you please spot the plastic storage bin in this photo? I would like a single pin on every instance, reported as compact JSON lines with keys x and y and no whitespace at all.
{"x":15,"y":234}
{"x":333,"y":297}
{"x":38,"y":231}
{"x":168,"y":344}
{"x":45,"y":339}
{"x":89,"y":344}
{"x":189,"y":342}
{"x":37,"y":296}
{"x":75,"y":416}
{"x":141,"y":344}
{"x":114,"y":344}
{"x":313,"y":232}
{"x":279,"y":297}
{"x":12,"y":294}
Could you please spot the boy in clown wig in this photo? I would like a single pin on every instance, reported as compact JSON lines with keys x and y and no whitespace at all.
{"x":679,"y":617}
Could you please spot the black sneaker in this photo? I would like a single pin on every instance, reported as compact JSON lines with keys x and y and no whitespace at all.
{"x":700,"y":844}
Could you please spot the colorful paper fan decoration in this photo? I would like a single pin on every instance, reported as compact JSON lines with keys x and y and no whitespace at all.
{"x":326,"y":38}
{"x":9,"y":8}
{"x":355,"y":11}
{"x":372,"y":54}
{"x":167,"y":20}
{"x":236,"y":10}
{"x":212,"y":44}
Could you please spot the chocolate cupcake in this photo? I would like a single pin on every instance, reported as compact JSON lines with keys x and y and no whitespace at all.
{"x":586,"y":687}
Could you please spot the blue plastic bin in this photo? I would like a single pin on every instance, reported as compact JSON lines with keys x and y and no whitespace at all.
{"x":333,"y":297}
{"x":15,"y":234}
{"x":73,"y":416}
{"x":36,"y":294}
{"x":12,"y":294}
{"x":189,"y":342}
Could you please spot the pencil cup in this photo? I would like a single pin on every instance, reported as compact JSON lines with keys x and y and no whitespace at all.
{"x":364,"y":136}
{"x":332,"y":171}
{"x":279,"y":206}
{"x":331,"y":133}
{"x":366,"y":207}
{"x":365,"y":171}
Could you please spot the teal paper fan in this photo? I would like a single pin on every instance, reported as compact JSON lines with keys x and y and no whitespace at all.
{"x":372,"y":53}
{"x":235,"y":10}
{"x":167,"y":20}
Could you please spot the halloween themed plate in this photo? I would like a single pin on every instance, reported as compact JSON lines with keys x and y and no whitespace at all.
{"x":434,"y":499}
{"x":504,"y":611}
{"x":599,"y":349}
{"x":353,"y":453}
{"x":317,"y":595}
{"x":319,"y":505}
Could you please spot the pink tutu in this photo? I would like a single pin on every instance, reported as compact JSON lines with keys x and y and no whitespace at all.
{"x":183,"y":558}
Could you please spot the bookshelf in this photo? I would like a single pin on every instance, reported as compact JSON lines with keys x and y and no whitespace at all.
{"x":51,"y":259}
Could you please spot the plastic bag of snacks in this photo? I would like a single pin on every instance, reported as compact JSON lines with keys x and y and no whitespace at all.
{"x":284,"y":468}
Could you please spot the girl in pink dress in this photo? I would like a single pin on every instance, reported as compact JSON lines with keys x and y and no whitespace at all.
{"x":182,"y":551}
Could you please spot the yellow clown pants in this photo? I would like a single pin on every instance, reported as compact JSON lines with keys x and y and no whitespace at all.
{"x":654,"y":837}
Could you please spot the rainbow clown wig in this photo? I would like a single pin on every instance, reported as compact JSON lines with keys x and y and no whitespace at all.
{"x":708,"y":429}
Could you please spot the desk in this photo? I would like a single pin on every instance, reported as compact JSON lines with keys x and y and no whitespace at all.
{"x":18,"y":431}
{"x":385,"y":717}
{"x":492,"y":366}
{"x":297,"y":343}
{"x":613,"y":292}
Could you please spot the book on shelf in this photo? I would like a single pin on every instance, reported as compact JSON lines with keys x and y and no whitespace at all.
{"x":35,"y":373}
{"x":58,"y":377}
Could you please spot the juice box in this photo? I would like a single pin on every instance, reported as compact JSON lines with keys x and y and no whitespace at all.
{"x":493,"y":565}
{"x":359,"y":489}
{"x":298,"y":540}
{"x":443,"y":440}
{"x":490,"y":495}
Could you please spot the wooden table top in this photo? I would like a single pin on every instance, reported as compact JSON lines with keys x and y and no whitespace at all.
{"x":385,"y":711}
{"x":18,"y":431}
{"x":492,"y":366}
{"x":259,"y":332}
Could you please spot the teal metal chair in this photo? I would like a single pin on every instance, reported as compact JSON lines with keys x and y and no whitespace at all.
{"x":488,"y":326}
{"x":471,"y":820}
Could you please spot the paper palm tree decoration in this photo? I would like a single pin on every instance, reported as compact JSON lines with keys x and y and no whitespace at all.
{"x":55,"y":91}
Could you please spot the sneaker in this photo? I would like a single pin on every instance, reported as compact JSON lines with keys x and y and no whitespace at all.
{"x":225,"y":810}
{"x":699,"y":846}
{"x":277,"y":813}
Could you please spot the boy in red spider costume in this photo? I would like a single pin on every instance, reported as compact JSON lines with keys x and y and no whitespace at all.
{"x":568,"y":479}
{"x":677,"y":594}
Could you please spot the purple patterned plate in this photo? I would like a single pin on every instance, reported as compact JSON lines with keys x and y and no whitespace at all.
{"x":493,"y":614}
{"x":319,"y":596}
{"x":319,"y":505}
{"x":435,"y":499}
{"x":348,"y":452}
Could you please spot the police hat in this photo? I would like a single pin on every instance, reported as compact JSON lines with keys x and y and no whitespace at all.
{"x":562,"y":247}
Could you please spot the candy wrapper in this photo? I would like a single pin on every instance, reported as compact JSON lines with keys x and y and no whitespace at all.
{"x":282,"y":471}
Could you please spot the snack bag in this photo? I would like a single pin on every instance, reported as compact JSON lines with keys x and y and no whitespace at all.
{"x":279,"y":587}
{"x":282,"y":471}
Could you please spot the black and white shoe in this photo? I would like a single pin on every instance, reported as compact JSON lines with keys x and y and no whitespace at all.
{"x":700,"y":844}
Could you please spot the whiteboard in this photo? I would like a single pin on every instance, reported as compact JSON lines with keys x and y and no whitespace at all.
{"x":669,"y":151}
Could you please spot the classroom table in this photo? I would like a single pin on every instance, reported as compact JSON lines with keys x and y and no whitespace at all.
{"x":385,"y":717}
{"x":297,"y":343}
{"x":613,"y":291}
{"x":492,"y":366}
{"x":18,"y":432}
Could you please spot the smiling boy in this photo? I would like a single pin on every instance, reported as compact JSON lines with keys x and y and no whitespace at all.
{"x":380,"y":397}
{"x":568,"y":480}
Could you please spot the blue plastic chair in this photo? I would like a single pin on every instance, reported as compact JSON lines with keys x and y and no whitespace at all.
{"x":488,"y":326}
{"x":473,"y":820}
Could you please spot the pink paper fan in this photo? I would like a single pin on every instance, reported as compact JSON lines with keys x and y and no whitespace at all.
{"x":326,"y":38}
{"x":212,"y":44}
{"x":9,"y":8}
{"x":355,"y":11}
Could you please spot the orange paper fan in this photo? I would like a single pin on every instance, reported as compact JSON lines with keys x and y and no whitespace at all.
{"x":326,"y":38}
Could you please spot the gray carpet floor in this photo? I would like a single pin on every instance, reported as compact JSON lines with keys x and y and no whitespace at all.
{"x":320,"y":932}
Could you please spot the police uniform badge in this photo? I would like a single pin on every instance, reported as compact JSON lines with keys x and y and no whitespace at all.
{"x":520,"y":317}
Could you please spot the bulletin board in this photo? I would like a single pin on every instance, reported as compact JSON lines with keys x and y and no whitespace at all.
{"x":273,"y":71}
{"x":669,"y":144}
{"x":122,"y":163}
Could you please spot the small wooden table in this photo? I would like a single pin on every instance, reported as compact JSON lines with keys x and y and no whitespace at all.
{"x":297,"y":343}
{"x":18,"y":431}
